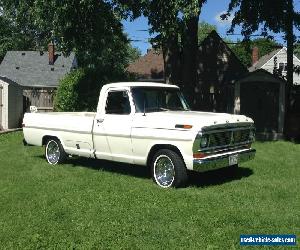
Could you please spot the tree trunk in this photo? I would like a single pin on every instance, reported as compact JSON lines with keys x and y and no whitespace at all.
{"x":172,"y":60}
{"x":190,"y":58}
{"x":290,"y":67}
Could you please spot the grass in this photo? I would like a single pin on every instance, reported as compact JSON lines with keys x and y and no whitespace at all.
{"x":96,"y":204}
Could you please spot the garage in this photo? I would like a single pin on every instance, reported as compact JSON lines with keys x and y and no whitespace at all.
{"x":11,"y":104}
{"x":261,"y":96}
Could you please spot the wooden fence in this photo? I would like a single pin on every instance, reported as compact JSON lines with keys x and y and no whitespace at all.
{"x":41,"y":98}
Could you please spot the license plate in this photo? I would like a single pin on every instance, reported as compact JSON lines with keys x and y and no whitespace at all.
{"x":233,"y":160}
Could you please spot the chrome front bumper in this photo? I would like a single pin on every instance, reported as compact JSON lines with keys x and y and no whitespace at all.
{"x":222,"y":160}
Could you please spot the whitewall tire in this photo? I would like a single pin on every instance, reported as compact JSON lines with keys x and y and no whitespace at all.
{"x":54,"y":152}
{"x":168,"y":169}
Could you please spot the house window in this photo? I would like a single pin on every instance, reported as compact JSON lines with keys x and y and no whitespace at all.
{"x":282,"y":66}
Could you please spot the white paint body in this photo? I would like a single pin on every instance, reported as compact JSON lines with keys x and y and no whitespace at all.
{"x":123,"y":138}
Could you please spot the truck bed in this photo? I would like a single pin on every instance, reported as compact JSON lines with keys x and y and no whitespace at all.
{"x":63,"y":125}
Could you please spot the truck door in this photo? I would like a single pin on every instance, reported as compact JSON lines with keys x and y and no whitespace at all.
{"x":113,"y":128}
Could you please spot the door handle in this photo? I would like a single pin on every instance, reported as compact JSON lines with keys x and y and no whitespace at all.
{"x":100,"y":120}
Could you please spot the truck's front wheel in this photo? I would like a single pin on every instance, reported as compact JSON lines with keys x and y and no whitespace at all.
{"x":168,"y":169}
{"x":55,"y":152}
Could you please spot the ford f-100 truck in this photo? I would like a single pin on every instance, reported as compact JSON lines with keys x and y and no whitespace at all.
{"x":146,"y":124}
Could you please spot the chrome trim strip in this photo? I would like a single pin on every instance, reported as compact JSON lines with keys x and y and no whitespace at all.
{"x":229,"y":126}
{"x":183,"y":129}
{"x":226,"y":130}
{"x":220,"y":161}
{"x":224,"y":149}
{"x":59,"y":129}
{"x":160,"y":138}
{"x":141,"y":137}
{"x":112,"y":135}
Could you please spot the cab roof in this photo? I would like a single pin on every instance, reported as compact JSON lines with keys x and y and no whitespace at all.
{"x":139,"y":84}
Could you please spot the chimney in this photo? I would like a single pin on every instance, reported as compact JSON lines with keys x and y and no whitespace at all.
{"x":51,"y":51}
{"x":255,"y":55}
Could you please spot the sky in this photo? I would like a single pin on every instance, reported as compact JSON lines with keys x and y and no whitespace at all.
{"x":210,"y":13}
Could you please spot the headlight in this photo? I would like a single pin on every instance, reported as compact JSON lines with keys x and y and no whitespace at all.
{"x":204,"y":141}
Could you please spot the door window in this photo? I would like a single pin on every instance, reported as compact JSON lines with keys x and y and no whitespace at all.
{"x":117,"y":103}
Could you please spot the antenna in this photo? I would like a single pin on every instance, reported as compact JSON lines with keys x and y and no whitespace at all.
{"x":144,"y":104}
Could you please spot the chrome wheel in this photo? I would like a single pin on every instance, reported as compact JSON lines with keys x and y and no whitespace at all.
{"x":164,"y":172}
{"x":52,"y":152}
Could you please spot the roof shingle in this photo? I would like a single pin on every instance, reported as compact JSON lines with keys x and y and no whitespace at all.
{"x":32,"y":69}
{"x":149,"y":66}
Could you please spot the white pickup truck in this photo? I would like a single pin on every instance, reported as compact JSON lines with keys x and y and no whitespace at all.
{"x":145,"y":124}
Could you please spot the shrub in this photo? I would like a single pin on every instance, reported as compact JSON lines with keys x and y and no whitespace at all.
{"x":66,"y":97}
{"x":79,"y":91}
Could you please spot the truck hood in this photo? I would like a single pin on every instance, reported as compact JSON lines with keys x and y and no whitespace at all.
{"x":169,"y":119}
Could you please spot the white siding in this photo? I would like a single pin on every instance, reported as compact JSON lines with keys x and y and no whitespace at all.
{"x":1,"y":104}
{"x":12,"y":100}
{"x":4,"y":102}
{"x":282,"y":57}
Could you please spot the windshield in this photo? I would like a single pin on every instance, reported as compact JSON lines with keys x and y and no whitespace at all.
{"x":154,"y":99}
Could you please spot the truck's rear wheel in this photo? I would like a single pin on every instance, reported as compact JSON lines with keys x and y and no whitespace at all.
{"x":168,"y":169}
{"x":55,"y":152}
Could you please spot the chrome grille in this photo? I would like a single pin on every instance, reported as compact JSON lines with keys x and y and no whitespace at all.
{"x":241,"y":135}
{"x":229,"y":137}
{"x":219,"y":139}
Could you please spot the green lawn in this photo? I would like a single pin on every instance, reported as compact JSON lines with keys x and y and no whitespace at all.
{"x":95,"y":204}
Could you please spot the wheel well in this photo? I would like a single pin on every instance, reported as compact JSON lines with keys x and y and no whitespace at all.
{"x":47,"y":138}
{"x":157,"y":147}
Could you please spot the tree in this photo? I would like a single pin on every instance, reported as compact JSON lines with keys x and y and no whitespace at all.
{"x":79,"y":90}
{"x":165,"y":21}
{"x":265,"y":16}
{"x":11,"y":38}
{"x":176,"y":23}
{"x":91,"y":28}
{"x":133,"y":53}
{"x":243,"y":49}
{"x":204,"y":29}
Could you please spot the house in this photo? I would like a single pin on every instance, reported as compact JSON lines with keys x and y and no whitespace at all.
{"x":218,"y":69}
{"x":277,"y":59}
{"x":38,"y":74}
{"x":226,"y":85}
{"x":261,"y":95}
{"x":149,"y":67}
